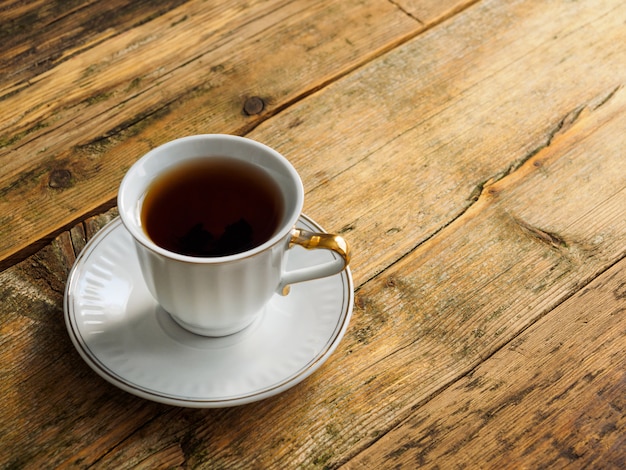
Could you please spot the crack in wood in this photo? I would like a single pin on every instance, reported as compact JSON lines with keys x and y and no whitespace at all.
{"x":78,"y":238}
{"x":406,"y":12}
{"x":144,"y":425}
{"x":561,"y":127}
{"x":552,"y":239}
{"x":129,"y":125}
{"x":29,"y":250}
{"x":605,"y":99}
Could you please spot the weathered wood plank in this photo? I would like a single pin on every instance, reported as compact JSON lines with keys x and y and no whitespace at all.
{"x":36,"y":36}
{"x":444,"y":115}
{"x":516,"y":249}
{"x":553,"y":397}
{"x":517,"y":253}
{"x":39,"y":373}
{"x":436,"y":314}
{"x":68,"y":135}
{"x":463,"y":295}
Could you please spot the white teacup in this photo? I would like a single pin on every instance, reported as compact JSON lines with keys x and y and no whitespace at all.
{"x":220,"y":295}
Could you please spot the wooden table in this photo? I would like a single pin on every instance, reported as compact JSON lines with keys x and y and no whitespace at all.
{"x":472,"y":152}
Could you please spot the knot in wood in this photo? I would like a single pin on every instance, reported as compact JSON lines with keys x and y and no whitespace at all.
{"x":60,"y":179}
{"x":253,"y":105}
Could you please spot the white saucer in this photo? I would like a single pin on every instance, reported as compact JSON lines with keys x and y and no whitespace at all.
{"x":123,"y":334}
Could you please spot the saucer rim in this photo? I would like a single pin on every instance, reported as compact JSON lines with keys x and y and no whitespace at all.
{"x":116,"y":379}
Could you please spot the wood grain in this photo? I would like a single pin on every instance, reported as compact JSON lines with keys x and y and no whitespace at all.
{"x":186,"y":71}
{"x":37,"y":36}
{"x":416,"y":125}
{"x":551,"y":398}
{"x":486,"y":212}
{"x":429,"y":320}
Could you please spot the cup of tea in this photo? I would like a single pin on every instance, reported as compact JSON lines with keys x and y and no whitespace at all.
{"x":213,"y":218}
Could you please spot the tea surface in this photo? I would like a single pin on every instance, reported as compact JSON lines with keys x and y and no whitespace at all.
{"x":212,"y":207}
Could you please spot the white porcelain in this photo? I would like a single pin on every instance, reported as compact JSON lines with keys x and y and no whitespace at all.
{"x":128,"y":339}
{"x":220,"y":295}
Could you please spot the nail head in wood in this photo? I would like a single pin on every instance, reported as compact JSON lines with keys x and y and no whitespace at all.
{"x":60,"y":179}
{"x":253,"y":105}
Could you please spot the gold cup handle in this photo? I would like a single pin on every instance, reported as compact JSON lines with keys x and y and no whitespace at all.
{"x":315,"y":240}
